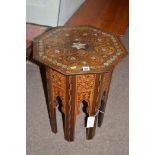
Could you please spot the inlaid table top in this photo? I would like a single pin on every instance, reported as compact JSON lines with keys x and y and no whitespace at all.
{"x":78,"y":50}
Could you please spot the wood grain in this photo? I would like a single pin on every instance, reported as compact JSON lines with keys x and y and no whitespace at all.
{"x":72,"y":90}
{"x":105,"y":87}
{"x":109,"y":15}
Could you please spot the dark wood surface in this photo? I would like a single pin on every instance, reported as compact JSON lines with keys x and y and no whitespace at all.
{"x":70,"y":115}
{"x":109,"y":15}
{"x":105,"y":87}
{"x":51,"y":102}
{"x":90,"y":132}
{"x":69,"y":49}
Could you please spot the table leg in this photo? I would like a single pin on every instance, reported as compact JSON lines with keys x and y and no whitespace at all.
{"x":44,"y":83}
{"x":101,"y":113}
{"x":70,"y":116}
{"x":90,"y":132}
{"x":106,"y":85}
{"x":51,"y":104}
{"x":53,"y":118}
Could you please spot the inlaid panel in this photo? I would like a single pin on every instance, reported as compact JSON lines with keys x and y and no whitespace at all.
{"x":69,"y":49}
{"x":58,"y":86}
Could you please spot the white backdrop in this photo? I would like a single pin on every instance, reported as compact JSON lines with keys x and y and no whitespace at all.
{"x":46,"y":12}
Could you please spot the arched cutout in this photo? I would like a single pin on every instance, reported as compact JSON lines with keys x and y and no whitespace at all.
{"x":85,"y":110}
{"x":58,"y":102}
{"x":85,"y":107}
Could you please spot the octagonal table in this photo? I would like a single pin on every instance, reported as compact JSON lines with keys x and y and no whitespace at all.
{"x":79,"y":62}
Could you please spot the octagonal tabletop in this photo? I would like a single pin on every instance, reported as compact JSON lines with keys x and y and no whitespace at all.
{"x":78,"y":50}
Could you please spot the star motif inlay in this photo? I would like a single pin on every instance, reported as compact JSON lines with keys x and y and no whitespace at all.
{"x":78,"y":45}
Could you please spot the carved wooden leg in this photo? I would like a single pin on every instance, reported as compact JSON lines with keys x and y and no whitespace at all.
{"x":90,"y":132}
{"x":106,"y":85}
{"x":70,"y":116}
{"x":44,"y":81}
{"x":51,"y":103}
{"x":101,"y":113}
{"x":53,"y":120}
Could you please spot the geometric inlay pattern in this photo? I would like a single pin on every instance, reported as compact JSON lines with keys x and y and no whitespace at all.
{"x":70,"y":49}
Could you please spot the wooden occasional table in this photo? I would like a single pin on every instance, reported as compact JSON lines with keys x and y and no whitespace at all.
{"x":79,"y":62}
